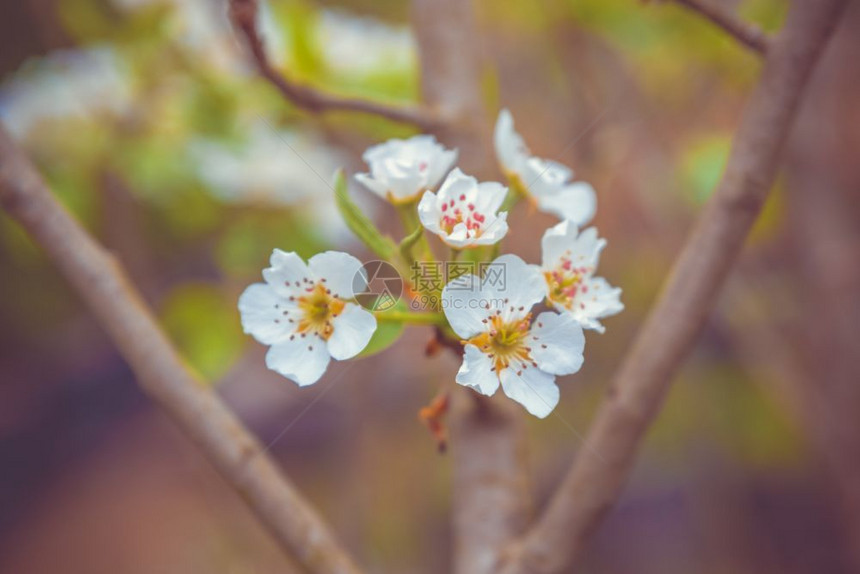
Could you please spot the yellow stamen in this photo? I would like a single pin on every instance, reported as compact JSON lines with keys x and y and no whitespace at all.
{"x":319,"y":308}
{"x":505,"y":343}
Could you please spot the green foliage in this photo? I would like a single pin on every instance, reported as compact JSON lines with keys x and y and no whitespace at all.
{"x":769,"y":14}
{"x":246,"y":243}
{"x":360,"y":224}
{"x":702,"y":164}
{"x":387,"y":333}
{"x":202,"y":323}
{"x":95,"y":21}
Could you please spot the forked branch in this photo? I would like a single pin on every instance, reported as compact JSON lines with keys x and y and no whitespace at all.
{"x":636,"y":394}
{"x":102,"y":284}
{"x":747,"y":34}
{"x":243,"y":14}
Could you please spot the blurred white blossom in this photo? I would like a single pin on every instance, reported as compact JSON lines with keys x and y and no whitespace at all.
{"x":65,"y":84}
{"x":266,"y":166}
{"x":360,"y":46}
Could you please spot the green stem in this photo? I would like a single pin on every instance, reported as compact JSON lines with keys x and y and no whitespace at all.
{"x":409,"y":217}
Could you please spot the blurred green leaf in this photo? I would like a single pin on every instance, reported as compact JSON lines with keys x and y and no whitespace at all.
{"x":205,"y":327}
{"x":702,"y":165}
{"x":769,"y":14}
{"x":387,"y":333}
{"x":95,"y":20}
{"x":245,"y":246}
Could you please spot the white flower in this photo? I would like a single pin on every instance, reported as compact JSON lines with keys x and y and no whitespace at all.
{"x":400,"y":170}
{"x":547,"y":182}
{"x":463,"y":213}
{"x":304,"y":313}
{"x":503,"y":345}
{"x":569,"y":262}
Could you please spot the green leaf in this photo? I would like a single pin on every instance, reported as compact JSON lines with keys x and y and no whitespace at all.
{"x":359,"y":224}
{"x":387,"y":333}
{"x":205,"y":327}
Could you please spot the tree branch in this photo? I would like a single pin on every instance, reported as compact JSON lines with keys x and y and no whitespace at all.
{"x":747,"y":34}
{"x":102,"y":284}
{"x":243,"y":14}
{"x":491,"y":501}
{"x":633,"y":399}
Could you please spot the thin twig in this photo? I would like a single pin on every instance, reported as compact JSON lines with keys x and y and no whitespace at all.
{"x":243,"y":13}
{"x":594,"y":483}
{"x":747,"y":34}
{"x":103,"y":285}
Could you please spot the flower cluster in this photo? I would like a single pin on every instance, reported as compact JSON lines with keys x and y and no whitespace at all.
{"x":521,"y":325}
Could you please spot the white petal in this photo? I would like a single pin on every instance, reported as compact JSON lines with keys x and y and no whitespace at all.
{"x":597,"y":300}
{"x":576,"y":202}
{"x":377,"y":187}
{"x":459,"y":236}
{"x":557,"y":343}
{"x":381,"y":151}
{"x":456,"y":184}
{"x":532,"y":388}
{"x":490,"y":196}
{"x":405,"y":185}
{"x":300,"y":359}
{"x":465,"y":306}
{"x":556,"y":242}
{"x":428,"y":212}
{"x":286,"y":272}
{"x":562,"y":240}
{"x":510,"y":279}
{"x":343,"y":273}
{"x":476,"y":373}
{"x":440,"y":165}
{"x":586,"y":250}
{"x":262,"y":312}
{"x":353,"y":329}
{"x":494,"y":230}
{"x":544,"y":177}
{"x":511,"y":150}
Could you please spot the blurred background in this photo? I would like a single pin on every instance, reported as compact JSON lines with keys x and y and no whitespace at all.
{"x":152,"y":128}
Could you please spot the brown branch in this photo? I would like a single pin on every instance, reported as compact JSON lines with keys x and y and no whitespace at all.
{"x":747,"y":34}
{"x":594,"y":482}
{"x":102,"y":284}
{"x":243,"y":14}
{"x":492,"y":499}
{"x":491,"y":502}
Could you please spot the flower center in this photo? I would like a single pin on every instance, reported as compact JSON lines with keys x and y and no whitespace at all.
{"x":455,"y":212}
{"x":505,"y":342}
{"x":566,"y":282}
{"x":318,"y":308}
